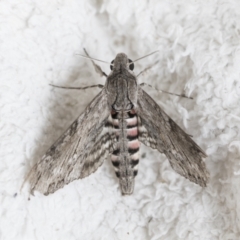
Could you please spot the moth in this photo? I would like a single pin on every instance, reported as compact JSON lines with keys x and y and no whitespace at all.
{"x":118,"y":119}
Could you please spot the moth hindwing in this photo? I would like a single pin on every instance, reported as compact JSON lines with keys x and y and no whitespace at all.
{"x":120,"y":117}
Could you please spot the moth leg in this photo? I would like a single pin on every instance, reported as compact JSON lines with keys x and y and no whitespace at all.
{"x":159,"y":90}
{"x":96,"y":67}
{"x":147,"y":68}
{"x":79,"y":88}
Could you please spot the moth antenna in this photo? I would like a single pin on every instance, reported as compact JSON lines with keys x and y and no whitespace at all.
{"x":159,"y":90}
{"x":143,"y":57}
{"x":92,"y":58}
{"x":79,"y":88}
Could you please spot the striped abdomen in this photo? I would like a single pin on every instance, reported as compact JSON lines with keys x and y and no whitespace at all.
{"x":125,"y":157}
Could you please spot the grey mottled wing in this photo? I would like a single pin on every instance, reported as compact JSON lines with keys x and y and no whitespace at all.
{"x":77,"y":153}
{"x":160,"y":132}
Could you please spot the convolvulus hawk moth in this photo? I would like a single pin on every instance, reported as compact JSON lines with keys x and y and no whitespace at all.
{"x":120,"y":117}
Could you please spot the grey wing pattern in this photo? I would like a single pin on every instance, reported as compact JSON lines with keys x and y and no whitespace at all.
{"x":77,"y":153}
{"x":160,"y":132}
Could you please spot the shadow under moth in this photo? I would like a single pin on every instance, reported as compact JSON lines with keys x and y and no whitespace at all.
{"x":117,"y":120}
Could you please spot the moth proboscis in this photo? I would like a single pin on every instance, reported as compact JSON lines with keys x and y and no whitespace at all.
{"x":120,"y":117}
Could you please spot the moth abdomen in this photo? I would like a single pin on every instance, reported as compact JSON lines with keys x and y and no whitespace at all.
{"x":125,"y":156}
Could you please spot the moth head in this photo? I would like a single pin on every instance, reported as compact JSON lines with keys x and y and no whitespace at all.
{"x":122,"y":61}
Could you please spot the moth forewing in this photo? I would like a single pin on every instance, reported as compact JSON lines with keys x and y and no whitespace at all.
{"x":120,"y":116}
{"x":77,"y":153}
{"x":162,"y":133}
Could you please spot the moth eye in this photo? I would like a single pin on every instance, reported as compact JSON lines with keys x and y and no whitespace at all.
{"x":112,"y":63}
{"x":131,"y":66}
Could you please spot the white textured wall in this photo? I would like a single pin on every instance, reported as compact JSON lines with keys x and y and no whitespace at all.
{"x":199,"y":55}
